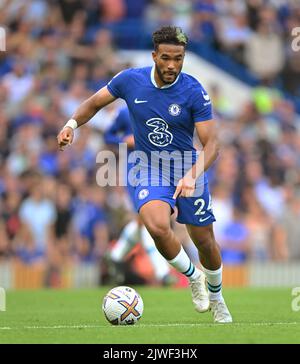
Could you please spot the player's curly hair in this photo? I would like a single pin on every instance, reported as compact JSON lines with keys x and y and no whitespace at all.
{"x":169,"y":35}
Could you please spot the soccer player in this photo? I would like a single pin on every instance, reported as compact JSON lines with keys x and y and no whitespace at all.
{"x":134,"y":232}
{"x":166,"y":106}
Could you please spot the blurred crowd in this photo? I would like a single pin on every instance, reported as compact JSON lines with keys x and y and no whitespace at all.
{"x":59,"y":52}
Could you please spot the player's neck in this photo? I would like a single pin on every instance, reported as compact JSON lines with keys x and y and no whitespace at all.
{"x":159,"y":82}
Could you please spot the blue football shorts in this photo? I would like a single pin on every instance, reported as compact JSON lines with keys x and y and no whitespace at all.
{"x":191,"y":210}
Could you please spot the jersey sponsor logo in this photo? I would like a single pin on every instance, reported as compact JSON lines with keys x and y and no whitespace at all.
{"x":136,"y":101}
{"x":174,"y":109}
{"x":160,"y":136}
{"x":143,"y":193}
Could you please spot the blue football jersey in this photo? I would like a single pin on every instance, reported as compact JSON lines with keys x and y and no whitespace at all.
{"x":163,"y":119}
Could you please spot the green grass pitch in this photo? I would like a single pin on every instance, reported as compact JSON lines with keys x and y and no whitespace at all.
{"x":75,"y":316}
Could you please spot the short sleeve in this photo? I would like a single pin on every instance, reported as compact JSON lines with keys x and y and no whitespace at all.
{"x":117,"y":85}
{"x":201,"y":106}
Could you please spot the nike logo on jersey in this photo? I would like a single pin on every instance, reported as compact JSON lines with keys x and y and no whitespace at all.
{"x":136,"y":101}
{"x":206,"y":97}
{"x":204,"y":219}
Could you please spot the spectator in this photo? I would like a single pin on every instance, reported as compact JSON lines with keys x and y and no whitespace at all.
{"x":104,"y":53}
{"x":112,"y":10}
{"x":291,"y":71}
{"x":60,"y":248}
{"x":222,"y":208}
{"x":73,"y":98}
{"x":70,"y":8}
{"x":37,"y":216}
{"x":18,"y":82}
{"x":11,"y":223}
{"x":287,"y":229}
{"x":264,"y":53}
{"x":48,"y":160}
{"x":235,"y":243}
{"x":234,"y":35}
{"x":259,"y":225}
{"x":204,"y":25}
{"x":89,"y":226}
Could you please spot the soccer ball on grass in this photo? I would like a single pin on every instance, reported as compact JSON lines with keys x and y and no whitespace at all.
{"x":122,"y":306}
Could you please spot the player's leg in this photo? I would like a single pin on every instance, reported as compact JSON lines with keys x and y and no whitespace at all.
{"x":210,"y":258}
{"x":196,"y":213}
{"x":128,"y":238}
{"x":130,"y":235}
{"x":135,"y":232}
{"x":156,"y":217}
{"x":209,"y":251}
{"x":160,"y":266}
{"x":187,"y":243}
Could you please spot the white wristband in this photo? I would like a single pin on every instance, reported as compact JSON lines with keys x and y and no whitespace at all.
{"x":71,"y":124}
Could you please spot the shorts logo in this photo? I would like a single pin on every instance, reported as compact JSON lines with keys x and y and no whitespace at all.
{"x":174,"y":109}
{"x":143,"y":194}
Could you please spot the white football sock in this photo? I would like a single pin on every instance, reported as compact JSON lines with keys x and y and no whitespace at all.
{"x":159,"y":263}
{"x":183,"y":264}
{"x":214,"y":283}
{"x":128,"y":238}
{"x":192,"y":252}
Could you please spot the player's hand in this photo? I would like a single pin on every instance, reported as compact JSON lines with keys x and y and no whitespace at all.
{"x":65,"y":137}
{"x":129,"y":140}
{"x":185,"y":187}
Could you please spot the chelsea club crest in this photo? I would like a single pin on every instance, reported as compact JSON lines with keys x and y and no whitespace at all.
{"x":174,"y":109}
{"x":143,"y":193}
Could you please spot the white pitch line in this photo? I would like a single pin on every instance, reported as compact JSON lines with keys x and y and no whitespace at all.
{"x":150,"y":325}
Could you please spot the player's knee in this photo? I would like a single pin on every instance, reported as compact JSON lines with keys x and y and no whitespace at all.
{"x":158,"y":230}
{"x":208,"y":241}
{"x":203,"y":237}
{"x":204,"y":240}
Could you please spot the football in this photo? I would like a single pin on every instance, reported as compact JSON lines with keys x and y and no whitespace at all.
{"x":122,"y":306}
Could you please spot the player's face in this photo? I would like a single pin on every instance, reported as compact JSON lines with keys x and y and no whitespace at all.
{"x":168,"y":59}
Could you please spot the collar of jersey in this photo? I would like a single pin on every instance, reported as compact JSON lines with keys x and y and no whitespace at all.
{"x":165,"y":86}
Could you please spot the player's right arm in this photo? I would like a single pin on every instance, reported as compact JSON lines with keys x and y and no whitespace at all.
{"x":83,"y":114}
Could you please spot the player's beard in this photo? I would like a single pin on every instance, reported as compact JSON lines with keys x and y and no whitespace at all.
{"x":162,"y":78}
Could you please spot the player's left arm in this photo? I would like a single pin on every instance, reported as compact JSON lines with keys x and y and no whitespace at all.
{"x":208,"y":136}
{"x":207,"y":133}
